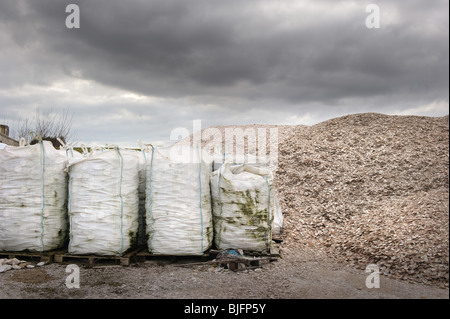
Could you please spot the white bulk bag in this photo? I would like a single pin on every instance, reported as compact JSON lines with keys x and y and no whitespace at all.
{"x":103,"y":202}
{"x":33,"y":193}
{"x":255,"y":161}
{"x":179,"y":218}
{"x":243,"y":207}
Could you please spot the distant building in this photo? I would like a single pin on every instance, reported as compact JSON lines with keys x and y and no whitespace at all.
{"x":4,"y":136}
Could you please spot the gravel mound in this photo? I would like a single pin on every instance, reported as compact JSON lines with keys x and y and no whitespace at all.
{"x":370,"y":188}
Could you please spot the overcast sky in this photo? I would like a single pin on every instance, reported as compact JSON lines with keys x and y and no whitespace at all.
{"x":138,"y":69}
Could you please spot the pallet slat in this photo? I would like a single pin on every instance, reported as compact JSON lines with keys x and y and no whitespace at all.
{"x":144,"y":255}
{"x":91,"y":260}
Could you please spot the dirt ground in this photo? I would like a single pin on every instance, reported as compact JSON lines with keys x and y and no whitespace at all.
{"x":299,"y":274}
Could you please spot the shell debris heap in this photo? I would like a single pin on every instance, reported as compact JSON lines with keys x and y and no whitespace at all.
{"x":370,"y":188}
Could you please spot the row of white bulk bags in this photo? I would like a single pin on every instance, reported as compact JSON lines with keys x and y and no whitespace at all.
{"x":33,"y":192}
{"x":244,"y":203}
{"x":179,"y":217}
{"x":110,"y":190}
{"x":103,"y":202}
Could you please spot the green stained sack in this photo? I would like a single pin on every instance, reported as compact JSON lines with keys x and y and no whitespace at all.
{"x":244,"y":204}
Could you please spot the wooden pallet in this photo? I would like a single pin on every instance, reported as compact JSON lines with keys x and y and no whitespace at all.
{"x":144,"y":255}
{"x":91,"y":260}
{"x":238,"y":263}
{"x":274,"y":252}
{"x":47,"y":256}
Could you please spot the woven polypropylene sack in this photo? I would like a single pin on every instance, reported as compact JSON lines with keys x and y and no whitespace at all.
{"x":103,"y":202}
{"x":33,"y":192}
{"x":243,"y":207}
{"x":179,"y":218}
{"x":255,"y":161}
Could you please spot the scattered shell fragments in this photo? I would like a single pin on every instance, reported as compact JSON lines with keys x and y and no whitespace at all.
{"x":13,"y":263}
{"x":4,"y":268}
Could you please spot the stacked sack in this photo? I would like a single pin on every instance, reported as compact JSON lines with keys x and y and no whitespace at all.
{"x":103,"y":202}
{"x":178,"y":202}
{"x":33,"y":192}
{"x":244,"y":204}
{"x":257,"y":162}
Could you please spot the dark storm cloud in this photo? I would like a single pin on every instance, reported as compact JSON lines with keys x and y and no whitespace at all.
{"x":233,"y":48}
{"x":295,"y":57}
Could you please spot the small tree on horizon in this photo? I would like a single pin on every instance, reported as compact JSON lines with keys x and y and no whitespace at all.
{"x":49,"y":125}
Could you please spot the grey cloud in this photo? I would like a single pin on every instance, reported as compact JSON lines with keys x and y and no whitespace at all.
{"x":236,"y":54}
{"x":179,"y":48}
